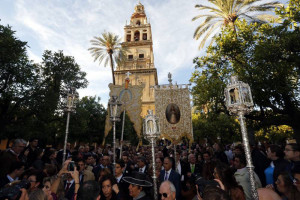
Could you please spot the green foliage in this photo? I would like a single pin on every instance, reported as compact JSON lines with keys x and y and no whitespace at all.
{"x":264,"y":56}
{"x":211,"y":126}
{"x":108,"y":48}
{"x":227,"y":12}
{"x":87,"y":124}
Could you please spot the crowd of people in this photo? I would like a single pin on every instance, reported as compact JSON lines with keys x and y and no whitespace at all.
{"x":187,"y":172}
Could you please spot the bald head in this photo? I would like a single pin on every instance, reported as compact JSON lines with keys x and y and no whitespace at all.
{"x":167,"y":190}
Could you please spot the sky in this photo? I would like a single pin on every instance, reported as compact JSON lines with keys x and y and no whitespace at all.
{"x":69,"y":25}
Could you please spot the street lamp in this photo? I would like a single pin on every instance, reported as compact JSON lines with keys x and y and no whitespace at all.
{"x":70,"y":102}
{"x":114,"y":110}
{"x":238,"y":100}
{"x":151,"y":131}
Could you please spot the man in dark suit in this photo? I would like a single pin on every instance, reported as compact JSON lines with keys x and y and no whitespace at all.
{"x":142,"y":167}
{"x":69,"y":186}
{"x":119,"y":173}
{"x":193,"y":167}
{"x":169,"y":174}
{"x":15,"y":171}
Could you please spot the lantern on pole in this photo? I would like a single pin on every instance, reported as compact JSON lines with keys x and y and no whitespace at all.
{"x":70,"y":103}
{"x":114,"y":111}
{"x":151,"y":130}
{"x":238,"y":100}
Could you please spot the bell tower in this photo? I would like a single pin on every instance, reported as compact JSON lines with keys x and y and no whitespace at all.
{"x":139,"y":57}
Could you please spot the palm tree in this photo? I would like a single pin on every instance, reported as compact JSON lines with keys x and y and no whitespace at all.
{"x":226,"y":12}
{"x":108,"y":49}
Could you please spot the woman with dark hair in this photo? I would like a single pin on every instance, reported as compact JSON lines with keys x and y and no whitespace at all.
{"x":286,"y":186}
{"x":109,"y":188}
{"x":278,"y":164}
{"x":223,"y":173}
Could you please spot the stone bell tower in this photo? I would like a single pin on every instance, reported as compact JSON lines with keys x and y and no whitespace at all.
{"x":140,"y":59}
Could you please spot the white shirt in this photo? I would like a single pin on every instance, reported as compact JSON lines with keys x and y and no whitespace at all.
{"x":119,"y":178}
{"x":169,"y":172}
{"x":10,"y":178}
{"x":142,"y":169}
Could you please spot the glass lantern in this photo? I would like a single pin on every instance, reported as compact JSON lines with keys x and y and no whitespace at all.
{"x":238,"y":96}
{"x":151,"y":126}
{"x":71,"y":100}
{"x":115,"y":107}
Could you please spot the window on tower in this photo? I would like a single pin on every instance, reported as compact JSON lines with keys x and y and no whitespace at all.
{"x":138,"y":22}
{"x":128,"y":38}
{"x":130,"y":57}
{"x":144,"y":36}
{"x":141,"y":55}
{"x":137,"y":36}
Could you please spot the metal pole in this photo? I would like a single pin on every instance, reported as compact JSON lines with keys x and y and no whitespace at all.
{"x":66,"y":138}
{"x":123,"y":124}
{"x":250,"y":166}
{"x":114,"y":143}
{"x":154,"y":169}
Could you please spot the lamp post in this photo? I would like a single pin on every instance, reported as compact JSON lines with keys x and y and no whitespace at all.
{"x":114,"y":110}
{"x":151,"y":133}
{"x":239,"y":102}
{"x":70,"y":102}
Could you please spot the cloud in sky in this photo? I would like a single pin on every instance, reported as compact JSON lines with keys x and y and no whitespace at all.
{"x":70,"y":25}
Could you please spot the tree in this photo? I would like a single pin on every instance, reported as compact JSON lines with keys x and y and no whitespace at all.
{"x":227,"y":12}
{"x":89,"y":120}
{"x":19,"y":80}
{"x":108,"y":49}
{"x":264,"y":56}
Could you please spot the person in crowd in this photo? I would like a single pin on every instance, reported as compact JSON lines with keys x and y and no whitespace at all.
{"x":47,"y":182}
{"x":90,"y":159}
{"x":109,"y":188}
{"x":50,"y":157}
{"x":208,"y":166}
{"x":37,"y":194}
{"x":104,"y":163}
{"x":296,"y":173}
{"x":38,"y":163}
{"x":189,"y":190}
{"x":167,"y":191}
{"x":89,"y":190}
{"x":286,"y":186}
{"x":278,"y":164}
{"x":32,"y":149}
{"x":142,"y":165}
{"x":169,"y":174}
{"x":292,"y":153}
{"x":226,"y":176}
{"x":11,"y":155}
{"x":122,"y":185}
{"x":214,"y":193}
{"x":242,"y":175}
{"x":193,"y":167}
{"x":219,"y":153}
{"x":103,"y":172}
{"x":260,"y":162}
{"x":85,"y":172}
{"x":159,"y":163}
{"x":238,"y":150}
{"x":36,"y":181}
{"x":138,"y":185}
{"x":15,"y":171}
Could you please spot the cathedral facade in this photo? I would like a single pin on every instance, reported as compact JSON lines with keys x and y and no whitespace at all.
{"x":139,"y":60}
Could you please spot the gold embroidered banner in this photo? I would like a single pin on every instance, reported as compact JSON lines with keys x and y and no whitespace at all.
{"x":172,"y":106}
{"x":130,"y":96}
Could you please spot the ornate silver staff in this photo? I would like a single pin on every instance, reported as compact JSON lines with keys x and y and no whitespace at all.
{"x":114,"y":111}
{"x":70,"y":102}
{"x":238,"y":100}
{"x":151,"y":133}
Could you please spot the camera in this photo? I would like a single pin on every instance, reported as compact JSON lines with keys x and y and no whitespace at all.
{"x":71,"y":166}
{"x":13,"y":189}
{"x":202,"y":183}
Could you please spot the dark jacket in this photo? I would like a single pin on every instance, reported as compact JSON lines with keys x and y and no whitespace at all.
{"x":124,"y":191}
{"x":280,"y":166}
{"x":174,"y":177}
{"x":6,"y":159}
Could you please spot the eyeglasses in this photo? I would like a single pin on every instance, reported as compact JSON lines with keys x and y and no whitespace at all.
{"x":165,"y":195}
